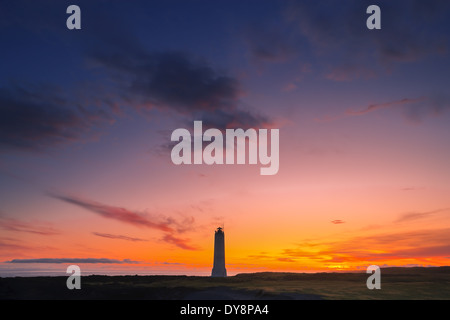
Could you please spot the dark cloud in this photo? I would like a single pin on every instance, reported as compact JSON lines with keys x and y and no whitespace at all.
{"x":73,"y":260}
{"x":336,"y":34}
{"x":10,"y":224}
{"x":170,"y":80}
{"x":412,"y":31}
{"x":36,"y":118}
{"x":119,"y":73}
{"x":166,"y":80}
{"x":337,"y":221}
{"x":177,"y":82}
{"x":117,"y":236}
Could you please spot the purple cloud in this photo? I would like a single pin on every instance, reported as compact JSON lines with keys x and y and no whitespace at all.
{"x":168,"y":225}
{"x":28,"y":227}
{"x":117,"y":236}
{"x":181,"y":243}
{"x":420,"y":215}
{"x":117,"y":213}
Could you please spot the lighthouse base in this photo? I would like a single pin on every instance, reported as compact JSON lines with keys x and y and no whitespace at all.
{"x":219,"y":272}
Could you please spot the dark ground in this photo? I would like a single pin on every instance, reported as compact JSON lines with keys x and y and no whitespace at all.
{"x":396,"y":283}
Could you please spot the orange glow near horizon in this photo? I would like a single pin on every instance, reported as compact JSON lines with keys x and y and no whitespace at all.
{"x":301,"y":242}
{"x":278,"y":225}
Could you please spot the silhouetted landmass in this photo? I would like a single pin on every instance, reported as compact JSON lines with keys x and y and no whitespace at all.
{"x":396,"y":283}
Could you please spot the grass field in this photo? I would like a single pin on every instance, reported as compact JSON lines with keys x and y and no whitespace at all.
{"x":396,"y":283}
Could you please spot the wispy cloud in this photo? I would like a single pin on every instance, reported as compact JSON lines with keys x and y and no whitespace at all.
{"x":337,"y":221}
{"x":169,"y":225}
{"x":170,"y":263}
{"x":28,"y":227}
{"x":390,"y":104}
{"x":412,"y":188}
{"x":417,"y":244}
{"x":74,"y":260}
{"x":117,"y":236}
{"x":9,"y":245}
{"x":117,"y":213}
{"x":412,"y":216}
{"x":286,"y":259}
{"x":181,"y":243}
{"x":413,"y":110}
{"x":18,"y":247}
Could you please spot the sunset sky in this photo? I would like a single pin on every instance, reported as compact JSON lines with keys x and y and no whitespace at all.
{"x":86,"y":118}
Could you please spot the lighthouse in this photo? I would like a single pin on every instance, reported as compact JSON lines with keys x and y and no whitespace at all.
{"x":219,"y":254}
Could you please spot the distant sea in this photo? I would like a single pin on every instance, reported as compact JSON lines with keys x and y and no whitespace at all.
{"x":10,"y":270}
